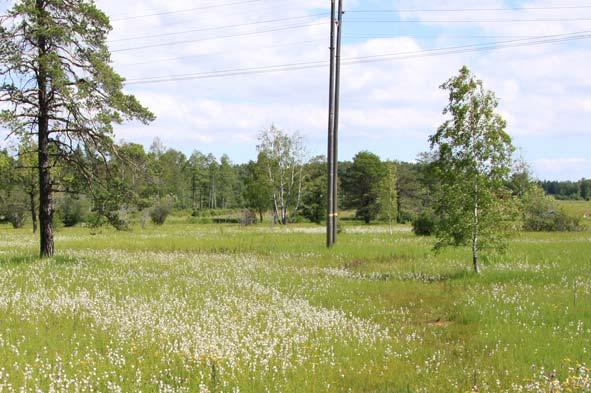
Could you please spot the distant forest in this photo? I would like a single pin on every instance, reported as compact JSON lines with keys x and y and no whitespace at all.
{"x":134,"y":186}
{"x":568,"y":190}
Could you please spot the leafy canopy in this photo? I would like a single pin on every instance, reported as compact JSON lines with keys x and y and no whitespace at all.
{"x":473,"y":162}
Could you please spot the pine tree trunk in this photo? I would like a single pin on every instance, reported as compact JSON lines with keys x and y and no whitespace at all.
{"x":33,"y":211}
{"x":45,"y":190}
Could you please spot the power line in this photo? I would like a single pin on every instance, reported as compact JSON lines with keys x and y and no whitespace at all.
{"x":247,"y":70}
{"x":571,"y":7}
{"x":187,"y":10}
{"x":550,"y":39}
{"x":242,"y":49}
{"x":442,"y":35}
{"x":219,"y":27}
{"x":367,"y":59}
{"x":174,"y":43}
{"x":468,"y":20}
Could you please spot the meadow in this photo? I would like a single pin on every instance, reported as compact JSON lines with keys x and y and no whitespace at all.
{"x":222,"y":308}
{"x":580,"y":209}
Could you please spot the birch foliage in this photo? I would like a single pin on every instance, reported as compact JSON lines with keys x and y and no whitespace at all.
{"x":283,"y":157}
{"x":473,"y":163}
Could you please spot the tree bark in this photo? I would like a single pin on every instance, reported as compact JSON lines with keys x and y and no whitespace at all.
{"x":475,"y":231}
{"x":45,"y":189}
{"x":33,"y":211}
{"x":475,"y":255}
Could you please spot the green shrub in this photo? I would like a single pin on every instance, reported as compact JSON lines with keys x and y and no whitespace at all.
{"x":94,"y":220}
{"x":17,"y":218}
{"x":14,"y":208}
{"x":117,"y":221}
{"x":73,"y":211}
{"x":551,"y":221}
{"x":160,"y":212}
{"x":404,"y":217}
{"x":541,"y":214}
{"x":424,"y":224}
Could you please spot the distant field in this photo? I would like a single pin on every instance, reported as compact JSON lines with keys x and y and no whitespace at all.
{"x":580,"y":209}
{"x":211,"y":308}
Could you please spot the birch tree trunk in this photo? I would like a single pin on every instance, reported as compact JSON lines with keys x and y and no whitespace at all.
{"x":475,"y":231}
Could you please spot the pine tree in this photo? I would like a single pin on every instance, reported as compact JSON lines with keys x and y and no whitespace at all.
{"x":56,"y":82}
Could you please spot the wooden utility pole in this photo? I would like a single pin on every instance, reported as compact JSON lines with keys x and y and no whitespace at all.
{"x":337,"y":104}
{"x":333,"y":121}
{"x":331,"y":117}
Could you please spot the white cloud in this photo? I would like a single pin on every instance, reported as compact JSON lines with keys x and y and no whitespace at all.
{"x":572,"y":168}
{"x":544,"y":91}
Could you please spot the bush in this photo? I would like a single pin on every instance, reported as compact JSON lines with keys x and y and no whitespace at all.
{"x":160,"y":212}
{"x":94,"y":220}
{"x":551,"y":221}
{"x":16,"y":210}
{"x":405,"y":217}
{"x":540,"y":214}
{"x":17,"y":219}
{"x":117,"y":221}
{"x":249,"y":217}
{"x":424,"y":224}
{"x":73,"y":211}
{"x":200,"y":220}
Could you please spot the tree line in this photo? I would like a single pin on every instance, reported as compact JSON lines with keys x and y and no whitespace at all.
{"x":134,"y":181}
{"x":568,"y":190}
{"x":281,"y":182}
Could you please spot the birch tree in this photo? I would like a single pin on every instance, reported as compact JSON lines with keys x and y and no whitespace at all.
{"x":473,"y":161}
{"x":57,"y":85}
{"x":283,"y":157}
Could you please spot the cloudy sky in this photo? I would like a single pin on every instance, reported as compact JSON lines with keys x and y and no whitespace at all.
{"x":389,"y":106}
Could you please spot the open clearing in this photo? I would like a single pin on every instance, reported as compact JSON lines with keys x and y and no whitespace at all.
{"x":186,"y":308}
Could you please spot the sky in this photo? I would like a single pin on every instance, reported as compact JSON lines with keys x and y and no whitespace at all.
{"x":389,"y":107}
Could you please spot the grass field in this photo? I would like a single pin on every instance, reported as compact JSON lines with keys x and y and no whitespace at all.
{"x":580,"y":209}
{"x":209,"y":308}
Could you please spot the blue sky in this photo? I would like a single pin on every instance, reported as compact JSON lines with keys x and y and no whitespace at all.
{"x":388,"y":107}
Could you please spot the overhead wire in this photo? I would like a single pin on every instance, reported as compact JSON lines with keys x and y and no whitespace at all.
{"x":468,"y":20}
{"x":306,"y":42}
{"x":442,"y":35}
{"x":365,"y":59}
{"x":213,"y":28}
{"x":208,"y":54}
{"x":174,"y":43}
{"x":409,"y":10}
{"x":489,"y":46}
{"x":212,"y":6}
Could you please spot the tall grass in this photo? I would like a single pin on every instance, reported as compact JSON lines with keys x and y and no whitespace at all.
{"x":184,"y":308}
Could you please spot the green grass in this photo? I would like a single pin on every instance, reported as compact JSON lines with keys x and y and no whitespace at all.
{"x":580,"y":209}
{"x":186,"y":308}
